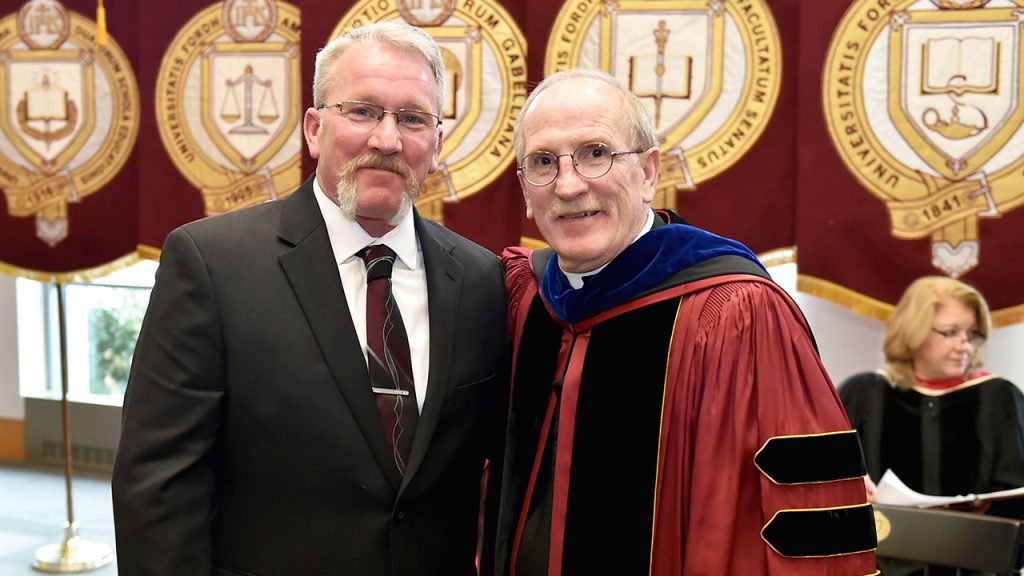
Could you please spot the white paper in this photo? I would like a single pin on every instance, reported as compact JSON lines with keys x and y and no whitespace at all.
{"x":891,"y":490}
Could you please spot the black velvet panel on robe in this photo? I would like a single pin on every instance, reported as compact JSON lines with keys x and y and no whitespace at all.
{"x":931,"y":441}
{"x":615,"y":452}
{"x":534,"y":377}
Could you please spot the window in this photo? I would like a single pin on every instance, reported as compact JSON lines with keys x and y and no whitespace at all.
{"x":102,"y":322}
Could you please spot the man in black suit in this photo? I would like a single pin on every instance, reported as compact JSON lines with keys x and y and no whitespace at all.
{"x":252,"y":442}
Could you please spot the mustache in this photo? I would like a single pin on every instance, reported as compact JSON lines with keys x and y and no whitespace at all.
{"x":575,"y":207}
{"x":348,"y":196}
{"x":392,"y":163}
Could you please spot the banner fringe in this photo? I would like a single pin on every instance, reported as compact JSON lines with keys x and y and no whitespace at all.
{"x":101,"y":24}
{"x":867,"y":306}
{"x":849,"y":299}
{"x":85,"y":274}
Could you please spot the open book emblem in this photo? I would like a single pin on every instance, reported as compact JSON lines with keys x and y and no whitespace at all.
{"x":959,"y":96}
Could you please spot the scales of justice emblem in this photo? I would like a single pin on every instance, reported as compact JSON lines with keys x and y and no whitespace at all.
{"x":69,"y":112}
{"x":240,"y":141}
{"x":709,"y":72}
{"x":231,"y":112}
{"x":485,"y":59}
{"x":941,"y":142}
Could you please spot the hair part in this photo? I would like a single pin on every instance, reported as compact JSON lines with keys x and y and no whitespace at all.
{"x":399,"y":35}
{"x":639,"y":128}
{"x":913,"y":319}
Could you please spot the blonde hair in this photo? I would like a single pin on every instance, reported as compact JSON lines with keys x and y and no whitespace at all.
{"x":914,"y":317}
{"x":639,"y":127}
{"x":400,"y":35}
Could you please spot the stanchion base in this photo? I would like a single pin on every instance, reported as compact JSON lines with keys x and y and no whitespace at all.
{"x":72,"y":555}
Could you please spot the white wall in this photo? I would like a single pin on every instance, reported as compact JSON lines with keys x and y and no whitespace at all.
{"x":11,"y":406}
{"x":848,"y":343}
{"x":1004,"y":353}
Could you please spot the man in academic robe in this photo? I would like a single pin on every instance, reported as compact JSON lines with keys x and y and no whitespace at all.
{"x":669,"y":413}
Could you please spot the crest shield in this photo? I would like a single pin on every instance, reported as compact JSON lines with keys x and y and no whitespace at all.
{"x":251,"y":98}
{"x":959,"y":93}
{"x":464,"y":86}
{"x":48,"y":105}
{"x":670,"y":54}
{"x":462,"y":105}
{"x":485,"y":60}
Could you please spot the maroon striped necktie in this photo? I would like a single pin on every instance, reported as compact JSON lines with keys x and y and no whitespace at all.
{"x":387,"y":352}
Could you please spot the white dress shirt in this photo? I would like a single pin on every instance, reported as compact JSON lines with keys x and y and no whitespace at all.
{"x":408,"y":281}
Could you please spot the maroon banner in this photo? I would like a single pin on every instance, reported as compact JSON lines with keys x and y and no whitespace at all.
{"x":909,"y":163}
{"x":53,"y":225}
{"x":754,"y":200}
{"x":163,"y":184}
{"x":70,"y":116}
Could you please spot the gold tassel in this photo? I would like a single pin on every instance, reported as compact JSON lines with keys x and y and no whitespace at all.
{"x":101,"y":24}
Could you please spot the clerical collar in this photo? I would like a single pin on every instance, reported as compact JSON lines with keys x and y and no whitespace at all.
{"x":576,"y":279}
{"x":348,"y":237}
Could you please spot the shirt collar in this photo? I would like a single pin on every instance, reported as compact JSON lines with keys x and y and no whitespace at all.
{"x":348,"y":237}
{"x":576,"y":279}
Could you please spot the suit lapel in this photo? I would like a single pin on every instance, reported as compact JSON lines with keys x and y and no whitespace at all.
{"x":313,"y":275}
{"x":444,"y":283}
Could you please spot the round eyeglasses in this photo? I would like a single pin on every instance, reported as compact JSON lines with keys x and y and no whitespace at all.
{"x":955,"y":336}
{"x":590,"y":160}
{"x":367,"y":115}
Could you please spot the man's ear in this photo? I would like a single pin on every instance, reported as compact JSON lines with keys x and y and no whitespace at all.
{"x":311,"y":131}
{"x":526,"y":197}
{"x":651,"y":165}
{"x":436,"y":160}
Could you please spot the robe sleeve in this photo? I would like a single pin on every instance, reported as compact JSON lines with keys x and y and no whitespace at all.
{"x":521,"y":285}
{"x":863,"y":397}
{"x":1009,"y":438}
{"x":745,"y":370}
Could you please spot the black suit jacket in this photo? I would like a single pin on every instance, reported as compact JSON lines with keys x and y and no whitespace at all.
{"x":251,"y":442}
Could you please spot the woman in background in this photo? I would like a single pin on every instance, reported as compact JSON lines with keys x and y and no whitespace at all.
{"x":932,"y":416}
{"x":944,"y":426}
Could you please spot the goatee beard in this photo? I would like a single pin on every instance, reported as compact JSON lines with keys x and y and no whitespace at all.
{"x":348,"y":195}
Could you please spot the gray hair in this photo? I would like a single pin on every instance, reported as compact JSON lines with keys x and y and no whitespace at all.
{"x":408,"y":38}
{"x":639,"y":127}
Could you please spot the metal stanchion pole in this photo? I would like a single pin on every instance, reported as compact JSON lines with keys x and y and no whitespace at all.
{"x":73,"y":554}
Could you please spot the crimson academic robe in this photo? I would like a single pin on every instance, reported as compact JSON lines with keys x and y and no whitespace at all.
{"x":633,"y":435}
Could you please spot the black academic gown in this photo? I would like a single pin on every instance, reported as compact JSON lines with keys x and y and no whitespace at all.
{"x":963,"y":440}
